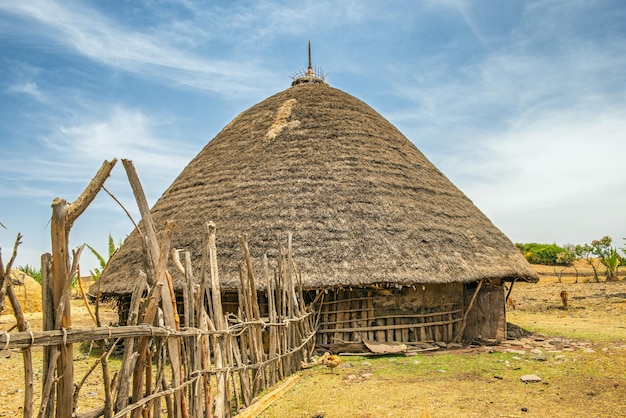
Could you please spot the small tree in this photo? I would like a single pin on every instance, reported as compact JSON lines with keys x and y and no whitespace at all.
{"x":608,"y":256}
{"x":96,"y":272}
{"x":564,"y":258}
{"x":612,"y":260}
{"x":569,"y":256}
{"x":586,"y":253}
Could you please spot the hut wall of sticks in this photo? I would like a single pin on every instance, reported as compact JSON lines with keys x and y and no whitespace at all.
{"x":408,"y":314}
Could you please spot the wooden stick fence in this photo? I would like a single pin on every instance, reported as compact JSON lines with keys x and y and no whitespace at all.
{"x":211,"y":366}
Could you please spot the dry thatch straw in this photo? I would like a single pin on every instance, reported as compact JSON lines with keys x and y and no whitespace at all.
{"x":364,"y":204}
{"x":28,"y":293}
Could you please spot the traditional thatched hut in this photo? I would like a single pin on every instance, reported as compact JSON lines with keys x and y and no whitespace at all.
{"x":397,"y":250}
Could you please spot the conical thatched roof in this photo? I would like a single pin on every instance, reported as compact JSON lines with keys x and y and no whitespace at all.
{"x":363,"y":203}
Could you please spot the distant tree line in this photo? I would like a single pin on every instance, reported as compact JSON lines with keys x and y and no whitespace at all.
{"x":610,"y":257}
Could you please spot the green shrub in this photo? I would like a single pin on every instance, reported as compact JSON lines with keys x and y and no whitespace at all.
{"x":33,"y":272}
{"x":550,"y":254}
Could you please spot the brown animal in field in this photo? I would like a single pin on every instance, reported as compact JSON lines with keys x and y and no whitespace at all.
{"x":564,"y":296}
{"x":510,"y":303}
{"x":330,"y":361}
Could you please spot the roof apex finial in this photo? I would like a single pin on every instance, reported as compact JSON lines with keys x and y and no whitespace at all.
{"x":309,"y":75}
{"x":310,"y":70}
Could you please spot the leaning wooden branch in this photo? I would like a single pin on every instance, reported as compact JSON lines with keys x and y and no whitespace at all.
{"x":102,"y":359}
{"x":48,"y":383}
{"x":257,"y":408}
{"x":508,"y":294}
{"x":159,"y":259}
{"x":9,"y":266}
{"x":84,"y":200}
{"x":50,"y":354}
{"x":84,"y":296}
{"x":144,"y":209}
{"x":121,"y":398}
{"x":75,"y":269}
{"x":123,"y":208}
{"x":459,"y":334}
{"x":23,"y":326}
{"x":5,"y":272}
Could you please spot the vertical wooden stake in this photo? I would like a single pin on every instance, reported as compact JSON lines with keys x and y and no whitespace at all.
{"x":220,"y":323}
{"x":60,"y":298}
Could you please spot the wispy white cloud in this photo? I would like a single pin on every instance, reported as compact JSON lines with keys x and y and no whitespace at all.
{"x":557,"y":175}
{"x":151,"y":54}
{"x":123,"y":131}
{"x":463,"y":9}
{"x":551,"y":157}
{"x":127,"y":133}
{"x":80,"y":148}
{"x":29,"y":88}
{"x":541,"y":67}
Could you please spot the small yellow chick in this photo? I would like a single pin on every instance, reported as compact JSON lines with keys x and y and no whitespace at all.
{"x":330,"y":361}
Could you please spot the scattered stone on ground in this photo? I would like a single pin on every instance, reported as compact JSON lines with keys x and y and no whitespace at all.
{"x":538,"y":344}
{"x":530,"y":378}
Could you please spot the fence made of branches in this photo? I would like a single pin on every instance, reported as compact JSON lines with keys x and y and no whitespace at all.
{"x":213,"y":364}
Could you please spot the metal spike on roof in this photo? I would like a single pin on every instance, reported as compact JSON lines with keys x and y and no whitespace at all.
{"x":308,"y":76}
{"x":310,"y":69}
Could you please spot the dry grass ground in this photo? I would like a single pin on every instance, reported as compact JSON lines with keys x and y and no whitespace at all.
{"x":581,"y":360}
{"x":12,"y":371}
{"x":583,"y":369}
{"x":476,"y":383}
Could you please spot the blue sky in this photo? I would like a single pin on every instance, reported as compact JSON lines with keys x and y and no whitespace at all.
{"x":522,"y":104}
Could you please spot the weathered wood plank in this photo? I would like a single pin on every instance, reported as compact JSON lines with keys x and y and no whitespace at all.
{"x":256,"y":409}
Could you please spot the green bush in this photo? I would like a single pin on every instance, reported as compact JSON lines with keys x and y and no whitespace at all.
{"x":550,"y":254}
{"x":33,"y":272}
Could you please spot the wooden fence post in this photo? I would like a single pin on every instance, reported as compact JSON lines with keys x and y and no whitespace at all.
{"x":63,"y":216}
{"x":22,"y":325}
{"x":60,"y":302}
{"x":221,"y":402}
{"x":50,"y":354}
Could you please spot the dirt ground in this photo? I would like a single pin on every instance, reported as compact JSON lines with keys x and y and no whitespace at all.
{"x":11,"y":363}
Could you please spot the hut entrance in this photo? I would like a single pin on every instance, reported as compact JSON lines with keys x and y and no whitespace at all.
{"x":409,"y":314}
{"x":487,"y":318}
